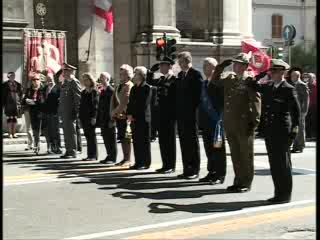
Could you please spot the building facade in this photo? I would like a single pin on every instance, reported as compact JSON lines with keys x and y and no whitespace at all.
{"x":269,"y":18}
{"x":203,"y":27}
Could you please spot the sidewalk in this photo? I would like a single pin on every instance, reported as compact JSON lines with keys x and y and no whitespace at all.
{"x":22,"y":138}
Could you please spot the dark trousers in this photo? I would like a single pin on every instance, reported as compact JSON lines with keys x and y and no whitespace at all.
{"x":217,"y":163}
{"x":52,"y":130}
{"x":189,"y":144}
{"x":110,"y":142}
{"x":311,"y":122}
{"x":167,"y":142}
{"x":280,"y":162}
{"x":79,"y":144}
{"x":36,"y":125}
{"x":141,"y":143}
{"x":90,"y":134}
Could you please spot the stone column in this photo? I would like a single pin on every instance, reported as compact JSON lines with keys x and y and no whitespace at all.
{"x":245,"y":15}
{"x":230,"y":22}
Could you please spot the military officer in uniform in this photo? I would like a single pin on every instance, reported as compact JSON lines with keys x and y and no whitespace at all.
{"x":303,"y":98}
{"x":69,"y":109}
{"x":166,"y":118}
{"x":282,"y":121}
{"x":242,"y":109}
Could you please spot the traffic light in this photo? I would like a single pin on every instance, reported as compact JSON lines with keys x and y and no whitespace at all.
{"x":171,"y":48}
{"x":160,"y":43}
{"x":279,"y":53}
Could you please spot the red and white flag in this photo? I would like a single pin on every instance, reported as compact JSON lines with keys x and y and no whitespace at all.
{"x":103,"y":9}
{"x":259,"y":61}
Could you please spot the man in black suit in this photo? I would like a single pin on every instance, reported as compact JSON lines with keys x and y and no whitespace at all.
{"x":188,"y":93}
{"x":281,"y":127}
{"x":104,"y":120}
{"x":51,"y":104}
{"x":165,"y":86}
{"x":139,"y":115}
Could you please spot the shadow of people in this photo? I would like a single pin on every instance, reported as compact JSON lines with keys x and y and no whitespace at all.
{"x":204,"y":207}
{"x":168,"y":194}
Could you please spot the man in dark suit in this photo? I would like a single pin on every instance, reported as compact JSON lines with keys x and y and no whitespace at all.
{"x":52,"y":95}
{"x":104,"y":120}
{"x":210,"y":117}
{"x":139,"y":115}
{"x":281,"y":128}
{"x":188,"y":93}
{"x":165,"y":86}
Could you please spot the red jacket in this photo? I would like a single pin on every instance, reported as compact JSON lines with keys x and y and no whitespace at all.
{"x":313,"y":94}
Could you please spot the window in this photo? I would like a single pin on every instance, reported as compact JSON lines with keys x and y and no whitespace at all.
{"x":276,"y":26}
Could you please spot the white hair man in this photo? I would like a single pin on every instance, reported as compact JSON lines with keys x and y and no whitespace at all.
{"x":105,"y":121}
{"x":139,"y":115}
{"x":119,"y":103}
{"x":303,"y":97}
{"x":188,"y":93}
{"x":210,"y":121}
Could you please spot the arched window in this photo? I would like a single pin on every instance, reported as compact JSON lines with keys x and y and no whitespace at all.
{"x":277,"y":21}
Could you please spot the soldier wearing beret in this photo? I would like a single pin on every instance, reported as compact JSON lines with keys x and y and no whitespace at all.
{"x":242,"y":109}
{"x":165,"y":86}
{"x":282,"y":121}
{"x":70,"y":95}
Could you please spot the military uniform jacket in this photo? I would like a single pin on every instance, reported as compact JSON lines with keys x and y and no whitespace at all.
{"x":303,"y":96}
{"x":70,"y":95}
{"x":139,"y":102}
{"x":242,"y":105}
{"x":165,"y":96}
{"x":282,"y":106}
{"x":120,"y":98}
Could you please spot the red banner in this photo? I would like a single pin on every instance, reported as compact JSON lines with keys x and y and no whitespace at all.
{"x":260,"y":61}
{"x":43,"y":51}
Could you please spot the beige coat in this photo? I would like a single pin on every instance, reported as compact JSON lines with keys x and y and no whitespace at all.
{"x":120,"y":100}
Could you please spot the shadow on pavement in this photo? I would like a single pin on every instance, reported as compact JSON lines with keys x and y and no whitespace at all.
{"x":204,"y":207}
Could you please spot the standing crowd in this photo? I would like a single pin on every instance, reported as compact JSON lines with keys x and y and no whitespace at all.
{"x":226,"y":104}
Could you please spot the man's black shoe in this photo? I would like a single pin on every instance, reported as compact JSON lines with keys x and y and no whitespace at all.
{"x":194,"y":176}
{"x":279,"y":200}
{"x":107,"y":162}
{"x":67,"y":156}
{"x":181,"y":176}
{"x":160,"y":170}
{"x":296,"y":150}
{"x":168,"y":171}
{"x":238,"y":189}
{"x":207,"y":179}
{"x":142,"y":168}
{"x":217,"y":181}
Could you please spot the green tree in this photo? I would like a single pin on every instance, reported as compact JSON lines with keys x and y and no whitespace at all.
{"x":305,"y":59}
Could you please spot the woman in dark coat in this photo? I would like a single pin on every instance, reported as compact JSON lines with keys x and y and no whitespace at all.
{"x":34,"y":99}
{"x":139,"y":115}
{"x":88,"y":115}
{"x":12,"y":96}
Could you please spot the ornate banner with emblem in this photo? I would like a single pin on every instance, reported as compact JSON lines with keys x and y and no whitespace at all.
{"x":259,"y":61}
{"x":44,"y":51}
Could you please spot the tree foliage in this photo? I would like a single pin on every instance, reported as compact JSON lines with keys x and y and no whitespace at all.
{"x":305,"y":59}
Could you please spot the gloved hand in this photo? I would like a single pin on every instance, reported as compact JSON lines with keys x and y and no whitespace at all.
{"x":261,"y":75}
{"x":292,"y":135}
{"x":93,"y":121}
{"x":226,"y":63}
{"x":155,"y":67}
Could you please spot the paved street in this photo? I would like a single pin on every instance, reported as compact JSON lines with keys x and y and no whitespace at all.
{"x":49,"y":198}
